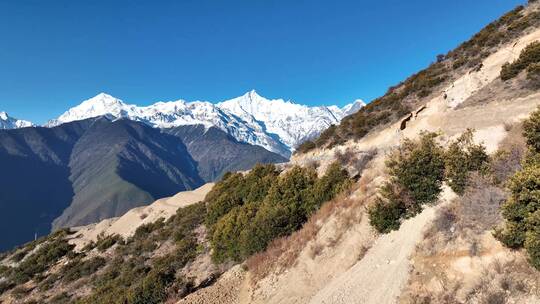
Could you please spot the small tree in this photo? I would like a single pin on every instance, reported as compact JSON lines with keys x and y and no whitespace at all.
{"x":418,"y":166}
{"x":531,"y":131}
{"x":416,"y":171}
{"x":462,"y":157}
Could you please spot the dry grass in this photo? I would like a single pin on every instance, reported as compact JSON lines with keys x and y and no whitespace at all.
{"x":508,"y":158}
{"x":460,"y":262}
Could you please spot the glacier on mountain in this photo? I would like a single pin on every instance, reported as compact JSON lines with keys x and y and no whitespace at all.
{"x":8,"y":122}
{"x":277,"y":125}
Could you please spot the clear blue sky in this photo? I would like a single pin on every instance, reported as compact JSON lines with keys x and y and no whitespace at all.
{"x":53,"y":54}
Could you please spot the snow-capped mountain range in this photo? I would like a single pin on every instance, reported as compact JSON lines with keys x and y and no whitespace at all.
{"x":8,"y":122}
{"x":277,"y":125}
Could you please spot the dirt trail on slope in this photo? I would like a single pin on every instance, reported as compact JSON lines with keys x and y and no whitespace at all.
{"x":379,"y":277}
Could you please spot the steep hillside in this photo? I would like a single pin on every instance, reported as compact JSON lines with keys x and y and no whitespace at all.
{"x":415,"y":91}
{"x":444,"y":254}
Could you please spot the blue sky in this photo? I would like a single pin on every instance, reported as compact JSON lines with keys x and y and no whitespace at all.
{"x":53,"y":54}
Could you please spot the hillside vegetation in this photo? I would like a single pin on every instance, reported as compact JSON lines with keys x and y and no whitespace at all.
{"x":521,"y":210}
{"x":242,"y":214}
{"x":417,"y":171}
{"x":247,"y":212}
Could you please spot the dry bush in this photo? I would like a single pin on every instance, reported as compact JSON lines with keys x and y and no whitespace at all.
{"x":313,"y":164}
{"x":356,"y":162}
{"x":507,"y":160}
{"x":316,"y":249}
{"x":466,"y":217}
{"x":346,"y":157}
{"x":500,"y":282}
{"x":479,"y":207}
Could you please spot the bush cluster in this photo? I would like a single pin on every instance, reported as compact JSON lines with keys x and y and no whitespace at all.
{"x":417,"y":170}
{"x":521,"y":210}
{"x":79,"y":268}
{"x":134,"y":276}
{"x":49,"y":252}
{"x":529,"y":57}
{"x":246,"y":212}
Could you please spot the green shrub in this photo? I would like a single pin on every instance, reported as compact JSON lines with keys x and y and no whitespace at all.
{"x":531,"y":131}
{"x":236,"y":189}
{"x":418,"y":167}
{"x":105,"y":242}
{"x":48,"y":253}
{"x":78,"y":268}
{"x":533,"y":75}
{"x":529,"y":56}
{"x":152,"y":289}
{"x":462,"y":157}
{"x":252,"y":224}
{"x":387,"y":212}
{"x":521,"y":210}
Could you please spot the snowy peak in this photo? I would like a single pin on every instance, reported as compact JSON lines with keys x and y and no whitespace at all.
{"x":353,"y":107}
{"x":99,"y":105}
{"x":275,"y":124}
{"x":293,"y":123}
{"x":8,"y":122}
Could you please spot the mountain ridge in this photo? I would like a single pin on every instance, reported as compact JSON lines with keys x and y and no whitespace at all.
{"x":274,"y":124}
{"x":8,"y":122}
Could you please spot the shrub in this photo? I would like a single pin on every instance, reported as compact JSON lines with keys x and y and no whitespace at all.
{"x":235,"y":190}
{"x":529,"y":56}
{"x":531,"y":131}
{"x":306,"y":146}
{"x":418,"y":167}
{"x":105,"y":242}
{"x":386,"y":213}
{"x":48,"y":254}
{"x":79,"y":268}
{"x":417,"y":170}
{"x":533,"y":75}
{"x":462,"y":157}
{"x":152,"y":289}
{"x":521,"y":211}
{"x":252,"y":224}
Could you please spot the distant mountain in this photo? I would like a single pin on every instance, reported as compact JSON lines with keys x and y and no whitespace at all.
{"x":116,"y":166}
{"x":85,"y":171}
{"x":8,"y":122}
{"x":217,"y":152}
{"x":277,"y":125}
